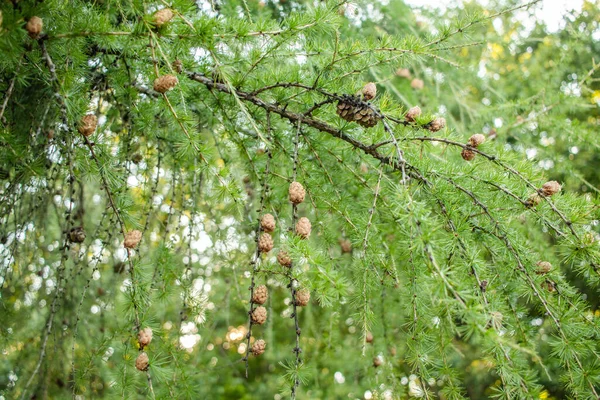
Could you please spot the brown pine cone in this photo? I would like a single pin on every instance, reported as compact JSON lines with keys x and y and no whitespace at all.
{"x":265,"y":243}
{"x":163,"y":16}
{"x":533,"y":200}
{"x":369,"y":337}
{"x":353,"y":109}
{"x":259,"y":315}
{"x":145,"y":337}
{"x":377,"y":361}
{"x":403,"y":73}
{"x":164,"y":83}
{"x":303,"y":228}
{"x":142,"y":361}
{"x":34,"y":27}
{"x":437,"y":125}
{"x":87,"y":125}
{"x":467,"y":154}
{"x":543,"y":267}
{"x":259,"y":347}
{"x":132,"y":239}
{"x":550,"y":188}
{"x":346,"y":246}
{"x":267,"y":223}
{"x":77,"y":235}
{"x":261,"y":294}
{"x":476,"y":140}
{"x":369,"y":91}
{"x":550,"y":286}
{"x":302,"y":297}
{"x":412,"y":114}
{"x":417,"y":84}
{"x":296,"y":192}
{"x":284,"y":259}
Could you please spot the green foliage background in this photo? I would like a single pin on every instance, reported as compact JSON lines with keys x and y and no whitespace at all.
{"x":443,"y":266}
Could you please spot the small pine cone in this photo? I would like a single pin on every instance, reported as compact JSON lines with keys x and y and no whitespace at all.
{"x":163,"y":16}
{"x":346,"y":246}
{"x":369,"y":338}
{"x":284,"y":259}
{"x":369,"y":91}
{"x":142,"y":361}
{"x":437,"y":124}
{"x":296,"y":192}
{"x":178,"y":66}
{"x":549,"y":286}
{"x":259,"y":315}
{"x":267,"y":223}
{"x":412,"y":114}
{"x":145,"y":337}
{"x":132,"y":239}
{"x":377,"y":361}
{"x":261,"y":294}
{"x":77,"y":235}
{"x":533,"y":200}
{"x":303,"y":228}
{"x":34,"y":27}
{"x":417,"y":84}
{"x":403,"y":73}
{"x":476,"y":140}
{"x":259,"y":347}
{"x":165,"y":83}
{"x":265,"y":243}
{"x":302,"y":297}
{"x":550,"y":188}
{"x":543,"y":267}
{"x":467,"y":154}
{"x":88,"y":124}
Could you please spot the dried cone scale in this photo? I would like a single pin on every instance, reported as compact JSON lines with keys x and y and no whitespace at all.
{"x":303,"y":228}
{"x":296,"y":193}
{"x":145,"y":337}
{"x":164,"y":83}
{"x":284,"y":259}
{"x":259,"y":347}
{"x":142,"y":361}
{"x":265,"y":243}
{"x":161,"y":17}
{"x":302,"y":297}
{"x":87,"y":125}
{"x":267,"y":223}
{"x":132,"y":239}
{"x":260,"y":295}
{"x":259,"y":315}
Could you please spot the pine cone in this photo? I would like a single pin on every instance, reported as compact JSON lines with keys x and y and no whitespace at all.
{"x":34,"y":27}
{"x":77,"y":235}
{"x":284,"y":259}
{"x":377,"y":361}
{"x":259,"y":315}
{"x":417,"y":84}
{"x":132,"y":239}
{"x":550,"y":188}
{"x":476,"y":140}
{"x":267,"y":223}
{"x":550,"y":286}
{"x":163,"y":16}
{"x":369,"y":91}
{"x":88,"y":124}
{"x":352,"y":109}
{"x":302,"y":297}
{"x":437,"y":125}
{"x":369,"y":337}
{"x":412,"y":114}
{"x":533,"y":200}
{"x":261,"y":294}
{"x":346,"y":246}
{"x":467,"y":154}
{"x":164,"y":83}
{"x":303,"y":228}
{"x":259,"y":347}
{"x":145,"y":337}
{"x":142,"y":361}
{"x":403,"y":73}
{"x":265,"y":243}
{"x":296,"y":192}
{"x":543,"y":267}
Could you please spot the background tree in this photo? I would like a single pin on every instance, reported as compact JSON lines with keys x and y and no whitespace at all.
{"x":154,"y":242}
